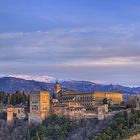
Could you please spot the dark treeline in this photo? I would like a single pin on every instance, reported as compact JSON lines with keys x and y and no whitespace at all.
{"x":16,"y":98}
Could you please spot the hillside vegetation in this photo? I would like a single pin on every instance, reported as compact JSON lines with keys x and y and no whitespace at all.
{"x":124,"y":125}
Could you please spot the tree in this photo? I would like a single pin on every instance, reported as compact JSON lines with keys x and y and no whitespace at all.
{"x":42,"y":131}
{"x":3,"y":116}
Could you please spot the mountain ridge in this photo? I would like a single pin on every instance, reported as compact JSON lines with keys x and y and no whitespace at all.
{"x":47,"y":79}
{"x":11,"y":84}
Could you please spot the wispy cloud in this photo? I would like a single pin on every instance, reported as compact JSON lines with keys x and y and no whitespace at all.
{"x":72,"y":49}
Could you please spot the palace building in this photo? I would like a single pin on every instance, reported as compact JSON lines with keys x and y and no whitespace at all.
{"x":72,"y":104}
{"x":92,"y":99}
{"x":39,"y":106}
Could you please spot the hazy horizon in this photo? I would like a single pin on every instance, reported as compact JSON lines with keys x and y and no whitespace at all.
{"x":93,"y":40}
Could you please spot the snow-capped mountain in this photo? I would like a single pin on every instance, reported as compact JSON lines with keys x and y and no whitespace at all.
{"x":12,"y":83}
{"x":47,"y":79}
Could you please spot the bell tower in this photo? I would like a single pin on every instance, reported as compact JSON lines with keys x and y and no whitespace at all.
{"x":57,"y":89}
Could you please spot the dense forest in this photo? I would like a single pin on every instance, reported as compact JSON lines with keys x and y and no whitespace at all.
{"x":52,"y":128}
{"x":124,"y":125}
{"x":55,"y":128}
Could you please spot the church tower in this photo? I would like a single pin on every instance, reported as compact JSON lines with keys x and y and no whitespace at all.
{"x":57,"y":87}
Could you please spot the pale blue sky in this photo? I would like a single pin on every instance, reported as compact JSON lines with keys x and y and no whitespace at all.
{"x":95,"y":40}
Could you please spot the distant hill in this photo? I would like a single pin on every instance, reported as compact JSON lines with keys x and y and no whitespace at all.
{"x":86,"y":86}
{"x":11,"y":84}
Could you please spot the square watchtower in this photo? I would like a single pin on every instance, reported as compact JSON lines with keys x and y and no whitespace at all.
{"x":39,"y":106}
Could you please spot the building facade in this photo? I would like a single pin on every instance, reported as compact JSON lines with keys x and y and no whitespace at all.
{"x":92,"y":99}
{"x":15,"y":112}
{"x":113,"y":97}
{"x":71,"y":109}
{"x":87,"y":100}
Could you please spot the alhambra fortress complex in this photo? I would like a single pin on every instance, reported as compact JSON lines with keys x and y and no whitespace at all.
{"x":75,"y":105}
